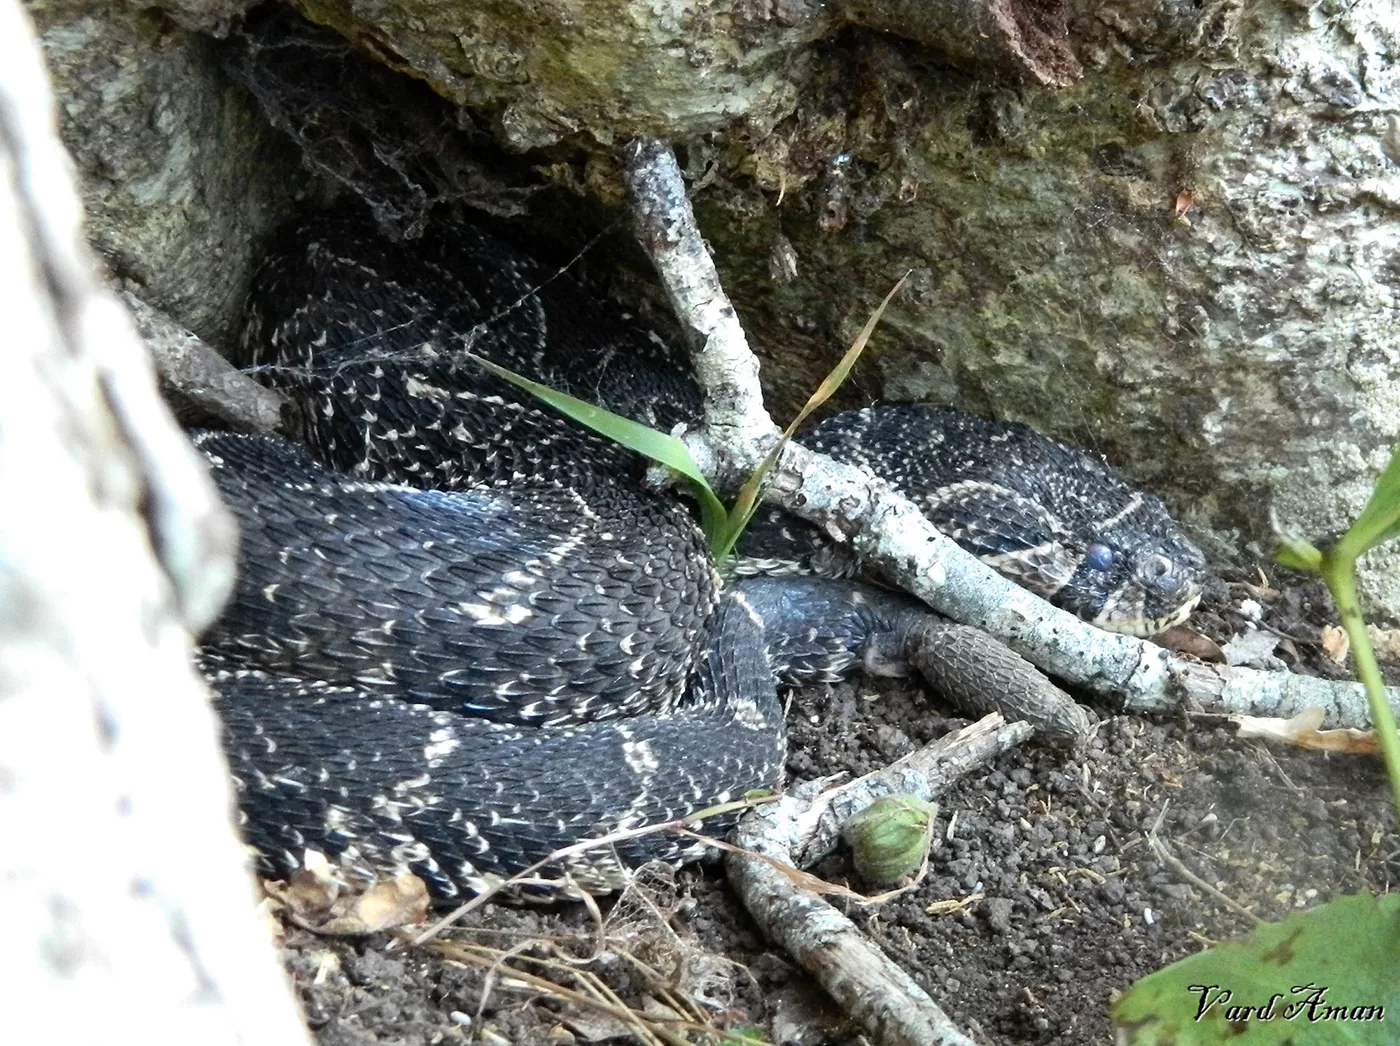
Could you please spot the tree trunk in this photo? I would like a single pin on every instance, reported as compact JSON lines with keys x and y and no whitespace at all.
{"x":128,"y":914}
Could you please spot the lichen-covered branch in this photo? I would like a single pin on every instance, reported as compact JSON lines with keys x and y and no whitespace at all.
{"x":926,"y":772}
{"x":872,"y":990}
{"x":724,"y":366}
{"x":888,"y":531}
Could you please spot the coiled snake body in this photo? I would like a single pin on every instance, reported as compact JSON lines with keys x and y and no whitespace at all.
{"x":466,"y":635}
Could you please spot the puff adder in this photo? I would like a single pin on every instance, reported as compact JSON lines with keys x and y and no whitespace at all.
{"x":466,"y":634}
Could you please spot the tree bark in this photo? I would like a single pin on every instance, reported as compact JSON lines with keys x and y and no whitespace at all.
{"x":128,"y":914}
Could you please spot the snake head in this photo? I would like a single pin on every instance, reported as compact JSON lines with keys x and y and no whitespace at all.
{"x":1127,"y":568}
{"x":1144,"y":580}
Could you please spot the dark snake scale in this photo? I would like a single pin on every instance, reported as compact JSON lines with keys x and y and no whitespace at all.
{"x":466,"y":634}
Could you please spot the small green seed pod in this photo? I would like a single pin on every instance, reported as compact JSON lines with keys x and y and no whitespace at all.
{"x":890,"y":838}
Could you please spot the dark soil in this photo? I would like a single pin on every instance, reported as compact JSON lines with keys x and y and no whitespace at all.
{"x":1043,"y":899}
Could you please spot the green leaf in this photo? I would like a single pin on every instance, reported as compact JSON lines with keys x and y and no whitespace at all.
{"x":1298,"y":555}
{"x":1322,"y":976}
{"x":1380,"y":519}
{"x":722,"y":528}
{"x":658,"y":446}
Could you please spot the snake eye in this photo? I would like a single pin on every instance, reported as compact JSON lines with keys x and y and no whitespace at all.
{"x":1157,"y":566}
{"x":1099,"y":557}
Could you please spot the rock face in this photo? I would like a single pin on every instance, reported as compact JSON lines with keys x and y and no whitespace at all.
{"x":181,"y":180}
{"x":601,"y":69}
{"x":609,"y":70}
{"x":1187,"y":260}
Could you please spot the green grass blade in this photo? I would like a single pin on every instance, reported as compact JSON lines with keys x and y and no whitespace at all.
{"x":722,"y":528}
{"x":658,"y":446}
{"x":842,"y":370}
{"x":746,"y":504}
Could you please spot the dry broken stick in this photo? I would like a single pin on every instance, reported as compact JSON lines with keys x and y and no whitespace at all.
{"x":200,"y":380}
{"x":926,"y":773}
{"x":888,"y":531}
{"x":871,"y":988}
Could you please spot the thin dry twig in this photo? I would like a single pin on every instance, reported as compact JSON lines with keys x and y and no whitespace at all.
{"x":525,"y":876}
{"x":813,"y":883}
{"x":1164,"y":854}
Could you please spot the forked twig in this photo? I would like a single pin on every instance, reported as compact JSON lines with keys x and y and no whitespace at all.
{"x":870,"y":987}
{"x":889,"y":532}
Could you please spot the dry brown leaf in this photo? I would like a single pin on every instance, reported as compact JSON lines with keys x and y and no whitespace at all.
{"x":1348,"y":742}
{"x":591,"y":1026}
{"x":315,"y":900}
{"x":1335,"y":643}
{"x":403,"y":901}
{"x":1302,"y":730}
{"x":659,"y":1011}
{"x":1188,"y":641}
{"x":308,"y":894}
